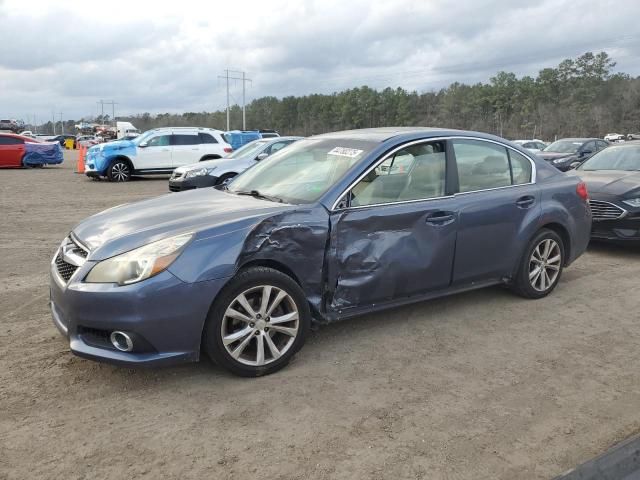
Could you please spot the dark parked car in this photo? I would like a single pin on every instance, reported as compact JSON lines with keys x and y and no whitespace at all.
{"x":613,"y":179}
{"x":319,"y":231}
{"x":563,"y":153}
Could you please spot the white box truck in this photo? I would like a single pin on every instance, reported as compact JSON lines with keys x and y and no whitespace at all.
{"x":126,"y":130}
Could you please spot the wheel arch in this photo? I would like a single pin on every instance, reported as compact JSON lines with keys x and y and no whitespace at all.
{"x":209,"y":157}
{"x":274,"y":264}
{"x":562,"y":231}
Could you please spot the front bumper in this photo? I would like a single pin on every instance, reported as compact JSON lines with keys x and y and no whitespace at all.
{"x":625,"y":230}
{"x":164,"y":314}
{"x":182,"y":184}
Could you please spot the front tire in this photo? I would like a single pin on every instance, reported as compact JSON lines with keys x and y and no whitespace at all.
{"x":258,"y":322}
{"x":541,"y":265}
{"x":225,"y":178}
{"x":119,"y":171}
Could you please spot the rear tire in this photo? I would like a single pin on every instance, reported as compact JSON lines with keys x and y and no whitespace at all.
{"x":257,"y":323}
{"x":541,"y":265}
{"x":119,"y":171}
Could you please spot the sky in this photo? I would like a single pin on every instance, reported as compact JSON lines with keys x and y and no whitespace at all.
{"x":65,"y":56}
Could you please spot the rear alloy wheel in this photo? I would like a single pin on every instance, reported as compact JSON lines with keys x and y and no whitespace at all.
{"x":258,"y":323}
{"x":119,"y":171}
{"x":541,"y":266}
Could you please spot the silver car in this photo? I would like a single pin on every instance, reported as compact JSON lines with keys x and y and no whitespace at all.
{"x":216,"y":172}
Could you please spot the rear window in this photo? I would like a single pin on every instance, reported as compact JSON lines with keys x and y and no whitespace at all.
{"x":207,"y":138}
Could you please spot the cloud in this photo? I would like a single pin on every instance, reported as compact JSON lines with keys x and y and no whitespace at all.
{"x":156,"y":57}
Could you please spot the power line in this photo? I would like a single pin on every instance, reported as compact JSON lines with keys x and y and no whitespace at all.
{"x":244,"y":80}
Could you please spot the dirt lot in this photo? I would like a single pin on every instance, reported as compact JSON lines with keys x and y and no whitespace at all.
{"x":480,"y":385}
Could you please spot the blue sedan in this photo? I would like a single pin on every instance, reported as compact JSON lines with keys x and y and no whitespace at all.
{"x":334,"y":226}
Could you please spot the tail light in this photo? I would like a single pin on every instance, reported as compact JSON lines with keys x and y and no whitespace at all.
{"x":582,"y":192}
{"x":228,"y":149}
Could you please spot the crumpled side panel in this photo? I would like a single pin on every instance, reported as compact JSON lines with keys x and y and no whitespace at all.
{"x":298,"y":240}
{"x":42,"y":154}
{"x":388,"y":255}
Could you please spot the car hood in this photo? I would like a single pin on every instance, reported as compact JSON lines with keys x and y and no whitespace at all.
{"x":554,"y":155}
{"x":206,"y":211}
{"x":223,"y":163}
{"x":116,"y":145}
{"x":612,"y":182}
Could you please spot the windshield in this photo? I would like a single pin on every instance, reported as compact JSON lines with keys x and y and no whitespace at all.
{"x":564,"y":146}
{"x":251,"y":148}
{"x":141,"y":138}
{"x":304,"y":171}
{"x":614,"y":158}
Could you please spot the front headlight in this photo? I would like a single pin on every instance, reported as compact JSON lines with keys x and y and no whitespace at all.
{"x":562,"y":160}
{"x":199,"y":172}
{"x":633,"y":202}
{"x":139,"y":264}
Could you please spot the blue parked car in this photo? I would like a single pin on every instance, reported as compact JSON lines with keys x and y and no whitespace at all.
{"x":333,"y":226}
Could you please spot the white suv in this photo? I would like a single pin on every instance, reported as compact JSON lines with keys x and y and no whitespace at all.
{"x":157,"y":151}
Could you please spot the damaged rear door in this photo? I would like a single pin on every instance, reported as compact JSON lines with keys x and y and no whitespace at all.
{"x":393,"y":234}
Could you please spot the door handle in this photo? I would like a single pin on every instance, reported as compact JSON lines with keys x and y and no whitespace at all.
{"x":165,"y":149}
{"x":526,"y":201}
{"x":195,"y":149}
{"x":440,"y":218}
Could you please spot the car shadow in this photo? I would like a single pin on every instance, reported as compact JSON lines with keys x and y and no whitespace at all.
{"x":631,"y":251}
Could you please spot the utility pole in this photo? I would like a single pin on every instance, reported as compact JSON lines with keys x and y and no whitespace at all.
{"x":61,"y":124}
{"x":244,"y":80}
{"x":53,"y":121}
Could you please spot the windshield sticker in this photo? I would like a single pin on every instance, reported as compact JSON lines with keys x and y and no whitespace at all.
{"x":345,"y":152}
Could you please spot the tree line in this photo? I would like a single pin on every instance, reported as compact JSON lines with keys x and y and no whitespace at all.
{"x":579,"y":97}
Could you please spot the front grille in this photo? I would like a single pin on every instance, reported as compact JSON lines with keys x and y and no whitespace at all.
{"x":605,"y":210}
{"x":69,"y":258}
{"x":65,"y":270}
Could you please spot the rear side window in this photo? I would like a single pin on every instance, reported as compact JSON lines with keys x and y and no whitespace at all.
{"x":481,"y":165}
{"x":520,"y":167}
{"x":206,"y":138}
{"x":186,"y":139}
{"x":10,"y":141}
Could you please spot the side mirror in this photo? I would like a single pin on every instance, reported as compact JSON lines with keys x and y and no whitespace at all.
{"x":262,"y":156}
{"x":143,"y":144}
{"x":574,"y":165}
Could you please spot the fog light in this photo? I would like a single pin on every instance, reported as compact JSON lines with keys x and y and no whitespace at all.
{"x":121,"y":341}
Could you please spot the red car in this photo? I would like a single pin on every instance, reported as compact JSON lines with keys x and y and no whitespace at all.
{"x":21,"y":151}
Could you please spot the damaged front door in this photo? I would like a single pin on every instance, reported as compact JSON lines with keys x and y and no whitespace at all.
{"x":395,"y":237}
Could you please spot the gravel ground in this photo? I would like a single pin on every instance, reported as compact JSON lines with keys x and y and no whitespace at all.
{"x":479,"y":385}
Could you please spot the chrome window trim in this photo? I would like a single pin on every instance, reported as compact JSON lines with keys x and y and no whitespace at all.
{"x":427,"y":140}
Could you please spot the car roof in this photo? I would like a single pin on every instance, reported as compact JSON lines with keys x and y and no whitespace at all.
{"x":628,"y":143}
{"x":204,"y":129}
{"x":383,"y":134}
{"x":577,"y":139}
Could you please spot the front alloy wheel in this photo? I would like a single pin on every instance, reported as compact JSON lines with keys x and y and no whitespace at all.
{"x":119,"y":171}
{"x":259,"y":321}
{"x":260,"y":325}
